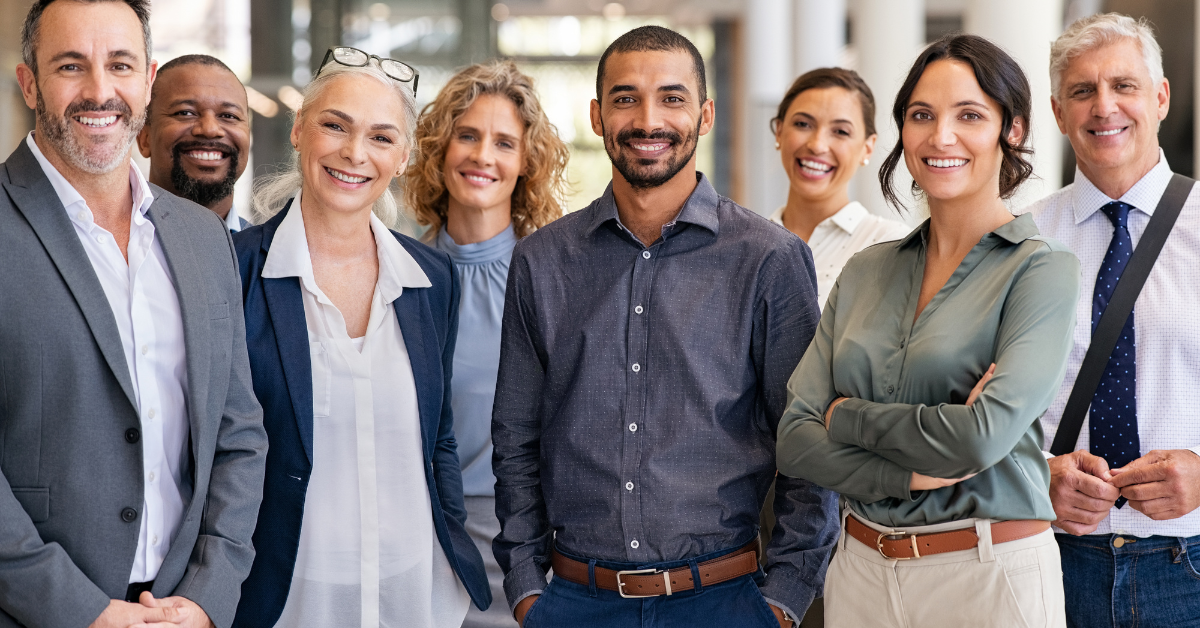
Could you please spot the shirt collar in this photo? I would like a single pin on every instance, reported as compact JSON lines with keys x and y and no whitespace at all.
{"x":233,"y":222}
{"x":1087,"y":199}
{"x":700,"y":208}
{"x":289,"y":257}
{"x":1015,"y":231}
{"x":847,"y":218}
{"x":143,"y":196}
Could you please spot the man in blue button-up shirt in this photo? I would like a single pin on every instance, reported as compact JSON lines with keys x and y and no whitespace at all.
{"x":647,"y":343}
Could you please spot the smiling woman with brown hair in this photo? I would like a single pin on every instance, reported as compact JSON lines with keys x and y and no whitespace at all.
{"x":489,"y":170}
{"x":919,"y":397}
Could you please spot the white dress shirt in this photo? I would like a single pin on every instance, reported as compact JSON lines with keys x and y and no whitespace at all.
{"x":837,"y":238}
{"x":1167,"y":339}
{"x":233,"y":222}
{"x":141,"y":293}
{"x":368,"y":555}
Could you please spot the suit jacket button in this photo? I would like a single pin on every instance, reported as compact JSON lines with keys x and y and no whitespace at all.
{"x":128,"y":515}
{"x":132,"y":435}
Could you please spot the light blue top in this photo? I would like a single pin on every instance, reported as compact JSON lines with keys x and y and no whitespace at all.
{"x":483,"y":272}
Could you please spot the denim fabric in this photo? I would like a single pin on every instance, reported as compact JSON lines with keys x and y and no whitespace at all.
{"x":639,"y":392}
{"x":737,"y":603}
{"x":1147,"y":583}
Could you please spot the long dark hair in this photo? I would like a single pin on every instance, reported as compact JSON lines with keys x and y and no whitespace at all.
{"x":1000,"y":77}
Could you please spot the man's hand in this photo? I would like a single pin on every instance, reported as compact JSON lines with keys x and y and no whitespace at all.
{"x":121,"y":614}
{"x":523,"y":607}
{"x":1080,"y":491}
{"x":784,"y":622}
{"x":190,"y":613}
{"x":926,"y":483}
{"x":829,"y":411}
{"x":1161,"y":484}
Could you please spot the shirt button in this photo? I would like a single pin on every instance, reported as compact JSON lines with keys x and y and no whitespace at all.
{"x":645,"y":255}
{"x":636,"y":367}
{"x":100,"y":239}
{"x":151,"y":476}
{"x":638,"y":310}
{"x":634,"y":544}
{"x":633,"y":427}
{"x":629,"y":487}
{"x":154,"y":540}
{"x":890,"y":389}
{"x":145,"y":349}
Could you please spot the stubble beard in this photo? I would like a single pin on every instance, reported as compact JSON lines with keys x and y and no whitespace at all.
{"x":640,"y":173}
{"x":93,"y":155}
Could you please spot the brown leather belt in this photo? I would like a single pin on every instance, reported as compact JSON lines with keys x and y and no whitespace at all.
{"x":905,"y":547}
{"x":634,"y":583}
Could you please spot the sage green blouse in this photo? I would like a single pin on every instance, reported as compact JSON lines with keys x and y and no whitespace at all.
{"x":1011,"y":301}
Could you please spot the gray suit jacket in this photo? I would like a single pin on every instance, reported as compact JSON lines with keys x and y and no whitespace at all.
{"x":70,"y":446}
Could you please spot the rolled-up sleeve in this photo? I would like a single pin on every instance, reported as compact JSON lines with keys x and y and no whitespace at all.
{"x":955,"y":440}
{"x":523,"y":546}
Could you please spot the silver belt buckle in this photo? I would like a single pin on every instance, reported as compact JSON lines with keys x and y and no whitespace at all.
{"x":634,"y":572}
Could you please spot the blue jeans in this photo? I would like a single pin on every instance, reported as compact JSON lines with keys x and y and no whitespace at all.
{"x":1146,"y":583}
{"x":735,"y":603}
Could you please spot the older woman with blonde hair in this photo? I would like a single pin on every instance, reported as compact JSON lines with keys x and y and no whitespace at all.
{"x":351,"y":330}
{"x":489,"y":170}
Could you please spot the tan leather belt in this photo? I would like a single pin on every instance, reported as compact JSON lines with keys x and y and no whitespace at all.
{"x":636,"y":583}
{"x":905,"y":547}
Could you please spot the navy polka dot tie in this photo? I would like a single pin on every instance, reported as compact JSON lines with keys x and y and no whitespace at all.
{"x":1113,"y":417}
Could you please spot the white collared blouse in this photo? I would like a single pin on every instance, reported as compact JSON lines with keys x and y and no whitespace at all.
{"x":837,"y":238}
{"x":368,"y":555}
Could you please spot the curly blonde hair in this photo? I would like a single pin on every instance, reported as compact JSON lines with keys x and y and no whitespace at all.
{"x":537,"y":199}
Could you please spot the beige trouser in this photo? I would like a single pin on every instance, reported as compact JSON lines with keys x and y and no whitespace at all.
{"x":1010,"y":585}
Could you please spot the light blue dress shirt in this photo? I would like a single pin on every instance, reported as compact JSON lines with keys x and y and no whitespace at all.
{"x":482,"y":273}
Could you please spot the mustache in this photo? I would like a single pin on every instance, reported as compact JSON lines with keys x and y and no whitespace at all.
{"x":112,"y":104}
{"x":211,"y":145}
{"x":639,"y":134}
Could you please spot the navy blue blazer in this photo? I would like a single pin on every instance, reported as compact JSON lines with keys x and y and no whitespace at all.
{"x":277,"y":338}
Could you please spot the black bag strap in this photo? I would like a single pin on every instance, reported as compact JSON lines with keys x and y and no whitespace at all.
{"x":1112,"y":321}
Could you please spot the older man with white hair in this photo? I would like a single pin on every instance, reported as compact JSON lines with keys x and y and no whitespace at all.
{"x":1125,"y":471}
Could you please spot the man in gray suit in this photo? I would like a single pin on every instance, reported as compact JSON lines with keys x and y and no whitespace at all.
{"x":132,"y":449}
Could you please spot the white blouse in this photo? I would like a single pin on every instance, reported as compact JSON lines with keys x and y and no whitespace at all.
{"x":837,"y":238}
{"x":368,"y":554}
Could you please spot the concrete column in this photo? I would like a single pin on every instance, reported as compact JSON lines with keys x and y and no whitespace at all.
{"x":887,"y":36}
{"x":1025,"y":29}
{"x":768,"y":44}
{"x":819,"y":34}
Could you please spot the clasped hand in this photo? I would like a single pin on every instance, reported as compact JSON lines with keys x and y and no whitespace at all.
{"x":1163,"y":484}
{"x":924,"y":482}
{"x":149,"y":612}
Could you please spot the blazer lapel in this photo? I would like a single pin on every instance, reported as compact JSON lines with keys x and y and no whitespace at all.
{"x":285,"y":305}
{"x":415,"y":322}
{"x":171,"y":233}
{"x":36,"y":199}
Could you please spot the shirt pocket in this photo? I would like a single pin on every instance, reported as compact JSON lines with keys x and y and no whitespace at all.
{"x":322,"y":378}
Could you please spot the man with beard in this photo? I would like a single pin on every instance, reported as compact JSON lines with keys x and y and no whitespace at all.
{"x":132,"y":451}
{"x":197,"y":133}
{"x":646,"y":346}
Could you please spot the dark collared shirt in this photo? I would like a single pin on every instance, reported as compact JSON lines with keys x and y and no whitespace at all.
{"x":639,"y":393}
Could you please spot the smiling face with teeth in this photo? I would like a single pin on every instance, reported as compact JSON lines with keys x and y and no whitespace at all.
{"x":651,"y":117}
{"x":351,"y":141}
{"x":1110,"y":108}
{"x":484,"y":158}
{"x":951,"y":136}
{"x":822,"y":142}
{"x":91,"y":88}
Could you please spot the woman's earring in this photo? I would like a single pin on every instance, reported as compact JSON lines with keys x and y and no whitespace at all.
{"x":866,"y":161}
{"x":776,"y":145}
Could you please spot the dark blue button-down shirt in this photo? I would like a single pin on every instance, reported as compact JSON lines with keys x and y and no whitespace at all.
{"x":639,"y":393}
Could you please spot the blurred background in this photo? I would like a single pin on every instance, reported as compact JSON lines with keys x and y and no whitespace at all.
{"x":753,"y":49}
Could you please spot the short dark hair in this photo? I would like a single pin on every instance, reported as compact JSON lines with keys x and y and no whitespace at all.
{"x":33,"y":22}
{"x":1000,"y":77}
{"x":656,"y":38}
{"x":185,"y":60}
{"x":822,"y":78}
